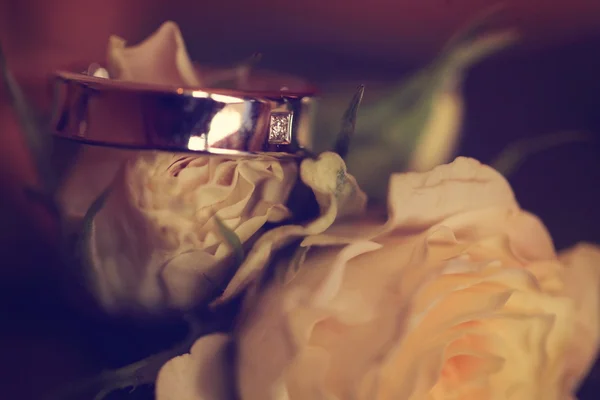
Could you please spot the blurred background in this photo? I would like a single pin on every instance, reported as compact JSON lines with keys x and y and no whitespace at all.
{"x":548,"y":83}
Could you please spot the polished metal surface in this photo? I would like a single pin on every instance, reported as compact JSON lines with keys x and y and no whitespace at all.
{"x":101,"y":111}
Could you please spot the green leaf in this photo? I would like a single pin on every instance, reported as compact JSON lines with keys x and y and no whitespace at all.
{"x":349,"y":123}
{"x":232,"y":240}
{"x":81,"y":257}
{"x":515,"y":154}
{"x":37,"y":140}
{"x":95,"y":207}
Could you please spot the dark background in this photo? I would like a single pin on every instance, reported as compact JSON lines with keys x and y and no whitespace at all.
{"x":549,"y":83}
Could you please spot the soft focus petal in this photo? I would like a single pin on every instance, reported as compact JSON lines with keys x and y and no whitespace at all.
{"x":351,"y":324}
{"x":460,"y":295}
{"x":582,"y":284}
{"x":284,"y":320}
{"x":419,"y":200}
{"x":160,"y":59}
{"x":203,"y":374}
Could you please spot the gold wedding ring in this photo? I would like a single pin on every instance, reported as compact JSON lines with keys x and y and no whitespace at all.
{"x":271,"y":114}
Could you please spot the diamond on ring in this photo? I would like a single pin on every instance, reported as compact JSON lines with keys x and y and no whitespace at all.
{"x":280,"y":128}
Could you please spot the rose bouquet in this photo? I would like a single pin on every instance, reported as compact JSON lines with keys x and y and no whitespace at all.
{"x":416,"y":279}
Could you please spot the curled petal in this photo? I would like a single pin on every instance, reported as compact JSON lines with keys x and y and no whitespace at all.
{"x":420,"y":200}
{"x":527,"y":238}
{"x":333,"y":186}
{"x":160,"y":59}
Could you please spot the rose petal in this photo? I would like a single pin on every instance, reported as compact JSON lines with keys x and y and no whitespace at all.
{"x":201,"y":375}
{"x":160,"y":59}
{"x":419,"y":200}
{"x":527,"y":238}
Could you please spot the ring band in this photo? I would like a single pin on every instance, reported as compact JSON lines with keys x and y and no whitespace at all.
{"x":107,"y":112}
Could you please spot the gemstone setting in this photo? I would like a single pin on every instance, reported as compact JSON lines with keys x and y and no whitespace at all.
{"x":280,"y":128}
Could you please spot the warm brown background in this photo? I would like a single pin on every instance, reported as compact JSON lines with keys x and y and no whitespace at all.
{"x":550,"y":83}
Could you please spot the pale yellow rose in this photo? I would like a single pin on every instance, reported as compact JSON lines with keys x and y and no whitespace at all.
{"x":460,"y":295}
{"x":155,"y":244}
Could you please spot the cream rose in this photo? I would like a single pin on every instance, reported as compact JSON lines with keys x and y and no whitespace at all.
{"x":155,"y":244}
{"x":460,"y":295}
